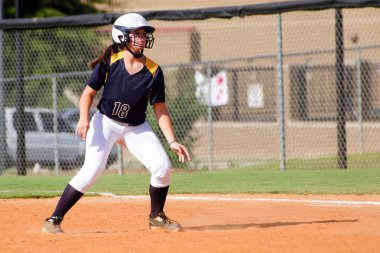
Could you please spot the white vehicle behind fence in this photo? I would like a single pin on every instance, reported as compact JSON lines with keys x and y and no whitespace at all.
{"x":45,"y":143}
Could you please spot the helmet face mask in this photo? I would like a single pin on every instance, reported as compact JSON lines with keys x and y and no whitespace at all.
{"x":125,"y":26}
{"x":149,"y":40}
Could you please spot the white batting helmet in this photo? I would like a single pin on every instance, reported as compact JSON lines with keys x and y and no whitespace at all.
{"x":128,"y":23}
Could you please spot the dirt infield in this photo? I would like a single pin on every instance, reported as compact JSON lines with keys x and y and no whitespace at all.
{"x":212,"y":223}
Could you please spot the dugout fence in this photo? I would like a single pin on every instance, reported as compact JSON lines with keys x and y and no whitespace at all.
{"x":280,"y":85}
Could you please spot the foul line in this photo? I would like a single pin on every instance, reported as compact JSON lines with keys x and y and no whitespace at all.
{"x":277,"y":200}
{"x":235,"y":199}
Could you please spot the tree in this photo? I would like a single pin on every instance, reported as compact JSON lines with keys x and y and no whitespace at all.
{"x":49,"y":8}
{"x":47,"y":51}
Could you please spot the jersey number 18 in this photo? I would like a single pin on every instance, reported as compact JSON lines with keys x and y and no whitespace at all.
{"x":120,"y":110}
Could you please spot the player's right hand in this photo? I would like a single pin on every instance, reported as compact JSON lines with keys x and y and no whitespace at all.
{"x":181,"y":151}
{"x":82,"y":128}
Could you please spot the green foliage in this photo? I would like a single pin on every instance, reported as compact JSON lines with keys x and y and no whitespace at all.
{"x":47,"y":51}
{"x":49,"y":8}
{"x":44,"y":52}
{"x":184,"y":111}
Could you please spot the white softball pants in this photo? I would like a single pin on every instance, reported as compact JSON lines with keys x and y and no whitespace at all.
{"x":140,"y":140}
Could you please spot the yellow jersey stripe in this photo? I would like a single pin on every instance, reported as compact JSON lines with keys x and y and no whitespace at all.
{"x":151,"y":66}
{"x":116,"y":57}
{"x":105,"y":80}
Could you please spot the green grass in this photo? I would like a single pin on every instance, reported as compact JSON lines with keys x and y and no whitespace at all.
{"x":247,"y":180}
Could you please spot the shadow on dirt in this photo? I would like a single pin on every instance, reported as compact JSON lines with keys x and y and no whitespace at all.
{"x":263,"y":225}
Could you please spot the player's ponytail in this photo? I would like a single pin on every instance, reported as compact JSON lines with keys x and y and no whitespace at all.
{"x":104,"y":57}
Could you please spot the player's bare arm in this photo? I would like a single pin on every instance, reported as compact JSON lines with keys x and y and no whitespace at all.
{"x":165,"y":123}
{"x":84,"y":107}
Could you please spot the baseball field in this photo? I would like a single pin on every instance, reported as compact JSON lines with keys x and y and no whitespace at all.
{"x":235,"y":211}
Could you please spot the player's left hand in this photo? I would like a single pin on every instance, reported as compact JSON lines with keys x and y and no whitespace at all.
{"x":181,"y":151}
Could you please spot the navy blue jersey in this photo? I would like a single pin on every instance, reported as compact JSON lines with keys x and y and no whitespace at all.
{"x":125,"y":97}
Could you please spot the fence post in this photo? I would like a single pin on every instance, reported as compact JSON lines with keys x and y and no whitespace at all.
{"x":120,"y":166}
{"x":20,"y":106}
{"x":209,"y":121}
{"x":280,"y":86}
{"x":55,"y":122}
{"x":235,"y":96}
{"x":359,"y":97}
{"x":3,"y":142}
{"x":340,"y":91}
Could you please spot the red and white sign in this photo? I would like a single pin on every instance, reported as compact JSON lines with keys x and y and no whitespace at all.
{"x":218,"y":86}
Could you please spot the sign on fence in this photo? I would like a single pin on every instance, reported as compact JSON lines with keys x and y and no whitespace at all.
{"x":218,"y":86}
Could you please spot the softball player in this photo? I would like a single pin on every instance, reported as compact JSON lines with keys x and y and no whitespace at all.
{"x":130,"y":80}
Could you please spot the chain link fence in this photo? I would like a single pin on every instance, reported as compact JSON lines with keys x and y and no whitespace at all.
{"x":260,"y":91}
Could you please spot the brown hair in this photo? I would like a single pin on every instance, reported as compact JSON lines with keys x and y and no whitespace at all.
{"x":103,"y":58}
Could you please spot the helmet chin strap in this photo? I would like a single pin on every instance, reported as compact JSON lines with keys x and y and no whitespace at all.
{"x":136,"y":55}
